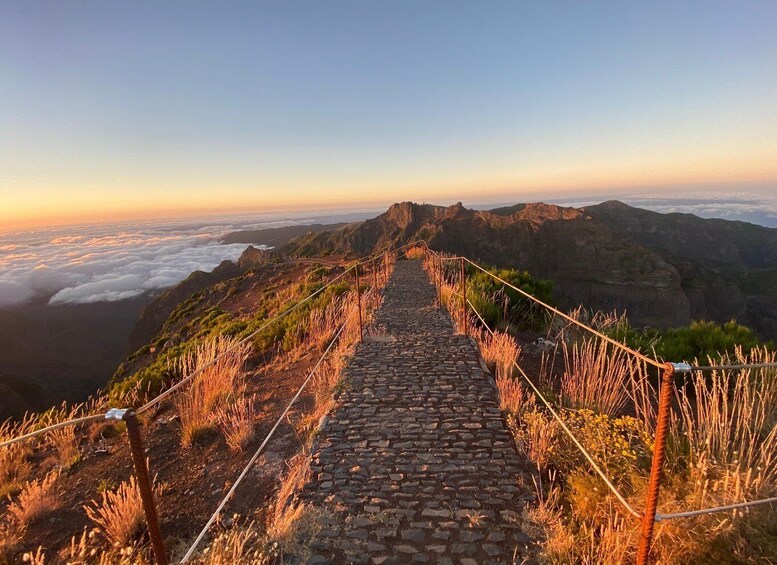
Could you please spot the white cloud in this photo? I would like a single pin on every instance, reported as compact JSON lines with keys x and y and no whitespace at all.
{"x":82,"y":264}
{"x":105,"y":266}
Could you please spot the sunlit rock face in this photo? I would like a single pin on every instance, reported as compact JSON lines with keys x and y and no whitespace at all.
{"x":662,"y":269}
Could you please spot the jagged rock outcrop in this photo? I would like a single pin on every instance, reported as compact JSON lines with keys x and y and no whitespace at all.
{"x":663,"y":269}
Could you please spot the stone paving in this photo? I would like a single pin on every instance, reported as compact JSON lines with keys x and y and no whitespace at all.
{"x":415,"y":465}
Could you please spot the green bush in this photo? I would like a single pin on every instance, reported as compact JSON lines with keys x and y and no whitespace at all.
{"x":501,"y":305}
{"x":699,"y":340}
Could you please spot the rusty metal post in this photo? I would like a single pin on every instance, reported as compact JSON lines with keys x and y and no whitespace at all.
{"x":359,"y":302}
{"x":656,"y":470}
{"x":464,"y":295}
{"x":375,"y":277}
{"x":144,"y":485}
{"x":439,"y":282}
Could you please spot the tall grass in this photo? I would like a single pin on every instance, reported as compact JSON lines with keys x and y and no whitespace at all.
{"x":119,"y":513}
{"x":596,"y":376}
{"x":236,"y":422}
{"x":36,"y":500}
{"x":728,"y":419}
{"x":216,"y":388}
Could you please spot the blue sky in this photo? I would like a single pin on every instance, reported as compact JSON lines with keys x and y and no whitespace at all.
{"x":111,"y":108}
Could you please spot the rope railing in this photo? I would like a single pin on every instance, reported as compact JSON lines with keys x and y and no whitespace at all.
{"x":169,"y":391}
{"x":650,"y":515}
{"x":261,"y":447}
{"x":564,"y":426}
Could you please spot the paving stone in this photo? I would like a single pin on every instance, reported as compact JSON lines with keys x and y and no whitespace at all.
{"x":416,"y":453}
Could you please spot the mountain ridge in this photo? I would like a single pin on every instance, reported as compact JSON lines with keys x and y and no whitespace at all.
{"x":662,"y":269}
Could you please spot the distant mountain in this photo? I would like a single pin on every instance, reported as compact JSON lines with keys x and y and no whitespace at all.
{"x":663,"y":269}
{"x":272,"y":237}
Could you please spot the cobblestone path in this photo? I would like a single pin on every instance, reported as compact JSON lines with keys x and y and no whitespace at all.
{"x":415,"y":465}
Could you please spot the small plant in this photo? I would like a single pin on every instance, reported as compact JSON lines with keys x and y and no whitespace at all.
{"x":236,"y":422}
{"x":596,"y":376}
{"x":119,"y":513}
{"x":66,"y":446}
{"x":286,"y":511}
{"x":36,"y":500}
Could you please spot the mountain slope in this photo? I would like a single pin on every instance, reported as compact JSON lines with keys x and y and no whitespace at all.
{"x":663,"y":269}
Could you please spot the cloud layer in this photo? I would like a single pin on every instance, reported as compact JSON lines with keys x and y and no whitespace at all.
{"x":82,"y":264}
{"x":95,"y":267}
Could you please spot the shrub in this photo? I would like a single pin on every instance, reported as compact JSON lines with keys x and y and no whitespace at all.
{"x":508,"y":306}
{"x":595,"y":376}
{"x":236,"y":422}
{"x":119,"y":513}
{"x":698,"y":340}
{"x":36,"y":500}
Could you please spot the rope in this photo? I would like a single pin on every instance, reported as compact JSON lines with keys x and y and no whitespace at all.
{"x":617,"y":344}
{"x":563,"y":425}
{"x":258,"y":452}
{"x":662,"y":517}
{"x":733,"y":367}
{"x":73,"y":422}
{"x":156,"y":400}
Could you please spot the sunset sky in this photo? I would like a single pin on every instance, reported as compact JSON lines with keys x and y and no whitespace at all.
{"x":131,"y":109}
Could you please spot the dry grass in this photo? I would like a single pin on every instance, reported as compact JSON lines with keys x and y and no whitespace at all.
{"x":287,"y":510}
{"x":65,"y":445}
{"x":416,"y":252}
{"x":236,"y":422}
{"x":499,"y":351}
{"x":218,"y":386}
{"x":323,"y":323}
{"x":596,"y":376}
{"x":236,"y":545}
{"x":119,"y":513}
{"x":15,"y":468}
{"x":540,"y":438}
{"x":512,"y":396}
{"x":36,"y":557}
{"x":35,"y":501}
{"x":83,"y":551}
{"x":729,"y":421}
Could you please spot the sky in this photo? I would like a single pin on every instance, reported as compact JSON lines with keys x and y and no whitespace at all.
{"x":122,"y":110}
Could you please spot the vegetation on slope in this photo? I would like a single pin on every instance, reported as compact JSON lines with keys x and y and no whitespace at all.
{"x":721,"y":447}
{"x":77,"y":484}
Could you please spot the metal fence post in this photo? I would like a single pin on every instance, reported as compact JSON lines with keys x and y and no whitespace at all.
{"x":656,"y":470}
{"x":144,"y":485}
{"x":464,"y":296}
{"x":359,"y":302}
{"x":440,"y":279}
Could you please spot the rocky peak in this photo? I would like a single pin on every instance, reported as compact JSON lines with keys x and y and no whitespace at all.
{"x":253,"y":257}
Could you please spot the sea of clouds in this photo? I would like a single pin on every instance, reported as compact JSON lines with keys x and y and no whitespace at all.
{"x":82,"y":264}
